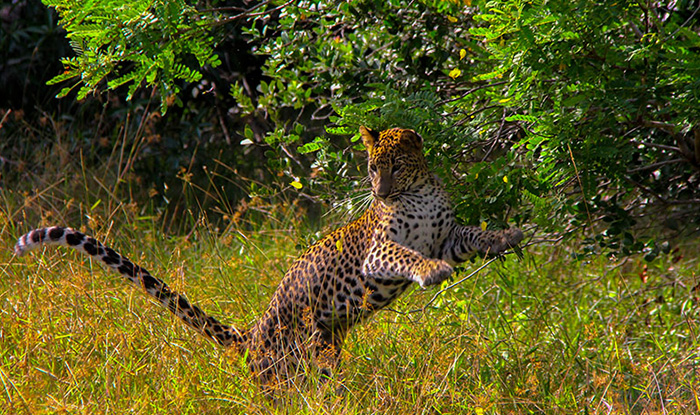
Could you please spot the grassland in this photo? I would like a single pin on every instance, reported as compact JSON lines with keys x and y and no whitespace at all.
{"x":543,"y":334}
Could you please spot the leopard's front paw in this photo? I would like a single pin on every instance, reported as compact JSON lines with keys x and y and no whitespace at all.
{"x":513,"y":237}
{"x":433,"y":271}
{"x":510,"y":238}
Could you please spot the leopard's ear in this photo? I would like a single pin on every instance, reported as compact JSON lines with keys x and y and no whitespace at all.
{"x":412,"y":140}
{"x":369,"y":137}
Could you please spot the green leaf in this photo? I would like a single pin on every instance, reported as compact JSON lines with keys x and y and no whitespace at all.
{"x":316,"y":145}
{"x":521,"y":117}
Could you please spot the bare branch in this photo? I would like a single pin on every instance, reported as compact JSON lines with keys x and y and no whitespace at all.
{"x":696,"y":135}
{"x":659,"y":146}
{"x":691,"y":155}
{"x":4,"y":117}
{"x":471,"y":91}
{"x":657,"y":165}
{"x":248,"y":14}
{"x":661,"y":198}
{"x":687,"y":21}
{"x":496,"y":138}
{"x":437,"y":294}
{"x":668,"y":127}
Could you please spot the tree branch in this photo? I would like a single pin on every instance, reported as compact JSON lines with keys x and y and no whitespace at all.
{"x":247,"y":14}
{"x":471,"y":91}
{"x":659,"y":146}
{"x":691,"y":155}
{"x":656,"y":165}
{"x":696,"y":135}
{"x":661,"y":198}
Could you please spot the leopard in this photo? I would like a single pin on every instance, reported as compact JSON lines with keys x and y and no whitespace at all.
{"x":408,"y":234}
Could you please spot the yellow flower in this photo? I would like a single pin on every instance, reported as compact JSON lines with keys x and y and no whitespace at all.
{"x":455,"y":73}
{"x":296,"y":184}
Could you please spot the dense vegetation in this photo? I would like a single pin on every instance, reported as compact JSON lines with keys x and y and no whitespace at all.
{"x":201,"y":124}
{"x":575,"y":113}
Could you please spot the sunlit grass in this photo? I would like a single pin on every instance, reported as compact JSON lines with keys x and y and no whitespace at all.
{"x":544,"y":334}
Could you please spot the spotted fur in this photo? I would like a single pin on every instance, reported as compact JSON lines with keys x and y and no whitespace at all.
{"x":409,"y":234}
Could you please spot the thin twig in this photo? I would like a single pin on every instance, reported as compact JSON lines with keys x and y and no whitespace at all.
{"x":437,"y":294}
{"x":248,"y":15}
{"x":578,"y":177}
{"x":696,"y":142}
{"x":658,"y":389}
{"x":656,"y":165}
{"x":222,"y":123}
{"x":665,"y":126}
{"x":4,"y":117}
{"x":231,"y":9}
{"x":688,"y":20}
{"x":497,"y":137}
{"x":661,"y":198}
{"x":471,"y":91}
{"x":659,"y":146}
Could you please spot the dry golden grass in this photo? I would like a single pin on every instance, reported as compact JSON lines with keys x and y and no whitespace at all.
{"x":545,"y":334}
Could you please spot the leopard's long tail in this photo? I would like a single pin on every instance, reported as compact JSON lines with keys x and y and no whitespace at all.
{"x":192,"y":315}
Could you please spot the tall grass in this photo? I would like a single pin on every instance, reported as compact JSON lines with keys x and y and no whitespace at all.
{"x":545,"y":334}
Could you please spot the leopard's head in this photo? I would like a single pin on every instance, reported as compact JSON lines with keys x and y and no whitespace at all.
{"x":395,"y":160}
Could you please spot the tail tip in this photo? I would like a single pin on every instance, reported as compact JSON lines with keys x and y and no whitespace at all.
{"x":20,"y":248}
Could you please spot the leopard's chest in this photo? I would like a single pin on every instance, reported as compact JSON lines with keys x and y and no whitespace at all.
{"x":420,"y":222}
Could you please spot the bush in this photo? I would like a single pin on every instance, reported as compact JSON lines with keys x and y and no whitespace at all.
{"x":581,"y":114}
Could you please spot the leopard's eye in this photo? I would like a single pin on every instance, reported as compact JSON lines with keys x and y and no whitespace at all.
{"x":395,"y":168}
{"x":373,"y":168}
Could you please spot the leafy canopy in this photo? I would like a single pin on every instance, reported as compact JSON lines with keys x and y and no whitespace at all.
{"x":139,"y":43}
{"x":581,"y":114}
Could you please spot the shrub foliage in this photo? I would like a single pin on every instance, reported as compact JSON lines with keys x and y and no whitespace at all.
{"x":579,"y":117}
